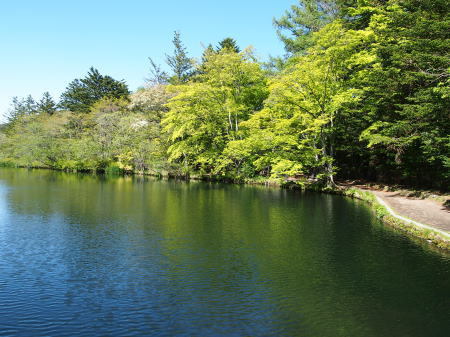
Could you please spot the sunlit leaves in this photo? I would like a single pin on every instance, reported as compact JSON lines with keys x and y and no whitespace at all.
{"x":206,"y":113}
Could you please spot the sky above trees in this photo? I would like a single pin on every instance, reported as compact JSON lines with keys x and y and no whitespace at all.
{"x":45,"y":44}
{"x":363,"y":93}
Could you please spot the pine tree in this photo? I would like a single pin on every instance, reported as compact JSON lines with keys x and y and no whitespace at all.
{"x":30,"y":105}
{"x":17,"y":109}
{"x":46,"y":105}
{"x":307,"y":17}
{"x":179,"y":62}
{"x":81,"y":94}
{"x":158,"y":76}
{"x":228,"y":44}
{"x":207,"y":52}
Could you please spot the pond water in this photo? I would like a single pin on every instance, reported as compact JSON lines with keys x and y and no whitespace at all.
{"x":84,"y":255}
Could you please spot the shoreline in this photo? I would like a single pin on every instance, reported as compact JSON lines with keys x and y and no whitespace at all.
{"x":432,"y":236}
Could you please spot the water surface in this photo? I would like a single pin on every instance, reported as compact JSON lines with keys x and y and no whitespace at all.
{"x":82,"y":255}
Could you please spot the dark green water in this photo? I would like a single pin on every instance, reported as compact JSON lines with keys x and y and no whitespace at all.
{"x":91,"y":256}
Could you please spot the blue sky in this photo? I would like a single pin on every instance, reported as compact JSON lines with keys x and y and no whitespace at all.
{"x":45,"y":44}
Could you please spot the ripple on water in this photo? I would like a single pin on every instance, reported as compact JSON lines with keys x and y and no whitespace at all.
{"x":83,"y":256}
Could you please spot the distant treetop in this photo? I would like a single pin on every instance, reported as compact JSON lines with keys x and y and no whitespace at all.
{"x":81,"y":94}
{"x":229,"y":44}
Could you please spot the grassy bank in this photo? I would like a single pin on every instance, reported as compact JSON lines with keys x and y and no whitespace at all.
{"x":432,"y":237}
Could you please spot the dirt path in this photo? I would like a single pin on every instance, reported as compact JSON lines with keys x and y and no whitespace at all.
{"x":425,"y":211}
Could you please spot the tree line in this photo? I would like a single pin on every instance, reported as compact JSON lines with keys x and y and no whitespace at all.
{"x":361,"y":93}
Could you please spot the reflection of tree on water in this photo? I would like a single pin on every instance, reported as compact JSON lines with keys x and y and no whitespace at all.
{"x":110,"y":253}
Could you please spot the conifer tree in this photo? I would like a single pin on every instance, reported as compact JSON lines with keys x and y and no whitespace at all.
{"x":307,"y":17}
{"x":81,"y":94}
{"x":46,"y":105}
{"x":229,"y":44}
{"x":179,"y":62}
{"x":158,"y":76}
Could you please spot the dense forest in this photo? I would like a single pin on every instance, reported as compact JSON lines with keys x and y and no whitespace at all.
{"x":361,"y":93}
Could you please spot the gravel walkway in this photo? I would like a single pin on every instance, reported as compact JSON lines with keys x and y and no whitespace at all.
{"x":425,"y":211}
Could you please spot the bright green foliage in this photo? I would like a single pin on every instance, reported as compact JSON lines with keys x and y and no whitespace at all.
{"x":81,"y":94}
{"x":206,"y":113}
{"x":298,"y":123}
{"x":109,"y":135}
{"x":208,"y":51}
{"x":152,"y":151}
{"x":113,"y":136}
{"x":363,"y":93}
{"x":35,"y":141}
{"x":407,"y":97}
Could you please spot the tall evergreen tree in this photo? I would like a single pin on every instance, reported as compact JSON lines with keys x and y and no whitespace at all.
{"x":307,"y":17}
{"x":17,"y":109}
{"x":46,"y":105}
{"x":179,"y":62}
{"x":158,"y":76}
{"x":207,"y":52}
{"x":81,"y":94}
{"x":21,"y":107}
{"x":30,"y":105}
{"x":229,"y":44}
